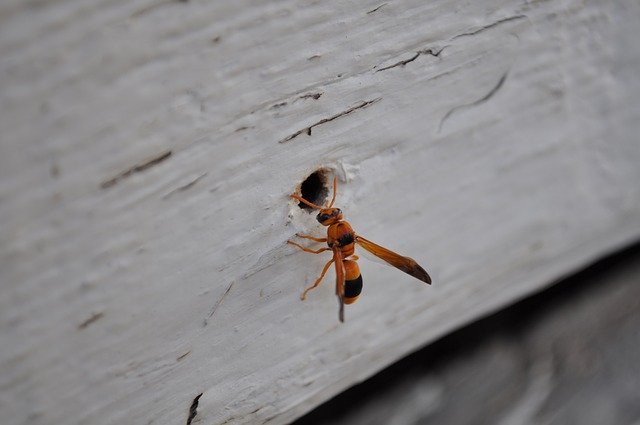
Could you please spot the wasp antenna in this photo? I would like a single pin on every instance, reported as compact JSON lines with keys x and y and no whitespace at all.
{"x":335,"y":188}
{"x":304,"y":201}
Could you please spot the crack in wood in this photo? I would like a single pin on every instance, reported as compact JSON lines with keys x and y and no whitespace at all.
{"x":185,"y":187}
{"x":243,"y":128}
{"x":136,"y":169}
{"x":217,"y":304}
{"x":483,"y":99}
{"x":431,"y":52}
{"x":278,"y":105}
{"x":183,"y":356}
{"x":90,"y":320}
{"x":376,"y":9}
{"x":492,"y":25}
{"x":307,"y":130}
{"x":193,"y":410}
{"x":314,"y":96}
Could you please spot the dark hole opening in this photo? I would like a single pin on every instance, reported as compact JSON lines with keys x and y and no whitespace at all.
{"x":314,"y":189}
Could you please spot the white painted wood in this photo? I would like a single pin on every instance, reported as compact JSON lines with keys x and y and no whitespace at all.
{"x":133,"y":280}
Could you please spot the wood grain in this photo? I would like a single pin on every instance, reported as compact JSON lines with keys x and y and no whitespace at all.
{"x":504,"y":161}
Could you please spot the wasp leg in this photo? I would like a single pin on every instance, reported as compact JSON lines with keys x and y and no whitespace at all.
{"x":317,"y":282}
{"x":313,"y":238}
{"x":305,"y":249}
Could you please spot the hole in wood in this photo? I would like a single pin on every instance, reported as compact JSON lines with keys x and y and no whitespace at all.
{"x":314,"y":189}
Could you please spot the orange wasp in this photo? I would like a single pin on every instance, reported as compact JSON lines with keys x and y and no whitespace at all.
{"x":341,"y":239}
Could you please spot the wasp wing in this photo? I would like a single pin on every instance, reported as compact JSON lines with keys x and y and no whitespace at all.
{"x":337,"y":260}
{"x":406,"y":264}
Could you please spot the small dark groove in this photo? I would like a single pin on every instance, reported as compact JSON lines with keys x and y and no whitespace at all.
{"x":431,"y":52}
{"x":278,"y":105}
{"x":401,"y":63}
{"x":307,"y":130}
{"x":90,"y":320}
{"x":216,"y":39}
{"x":493,"y":90}
{"x":185,"y":187}
{"x":243,"y":128}
{"x":136,"y":169}
{"x":492,"y":25}
{"x":217,"y":304}
{"x":314,"y":57}
{"x":193,"y":410}
{"x":485,"y":98}
{"x":376,"y":9}
{"x":183,"y":356}
{"x":314,"y":96}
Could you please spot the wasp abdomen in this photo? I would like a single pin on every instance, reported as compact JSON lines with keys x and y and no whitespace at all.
{"x":352,"y":281}
{"x":352,"y":289}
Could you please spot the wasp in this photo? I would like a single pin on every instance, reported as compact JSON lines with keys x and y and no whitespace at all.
{"x":341,"y":240}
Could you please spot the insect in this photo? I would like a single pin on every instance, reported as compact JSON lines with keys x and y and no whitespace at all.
{"x":341,"y":240}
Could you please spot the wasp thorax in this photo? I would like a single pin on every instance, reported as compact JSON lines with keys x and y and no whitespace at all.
{"x":328,"y":216}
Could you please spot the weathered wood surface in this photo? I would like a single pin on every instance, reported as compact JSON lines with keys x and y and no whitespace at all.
{"x":148,"y":149}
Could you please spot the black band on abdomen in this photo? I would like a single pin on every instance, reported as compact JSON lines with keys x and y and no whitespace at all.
{"x":352,"y":288}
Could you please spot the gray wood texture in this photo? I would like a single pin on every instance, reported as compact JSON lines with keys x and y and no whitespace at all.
{"x":148,"y":148}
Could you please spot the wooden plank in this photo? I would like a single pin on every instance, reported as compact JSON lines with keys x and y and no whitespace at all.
{"x":149,"y":148}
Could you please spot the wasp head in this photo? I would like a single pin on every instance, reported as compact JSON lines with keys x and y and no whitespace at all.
{"x":328,"y":216}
